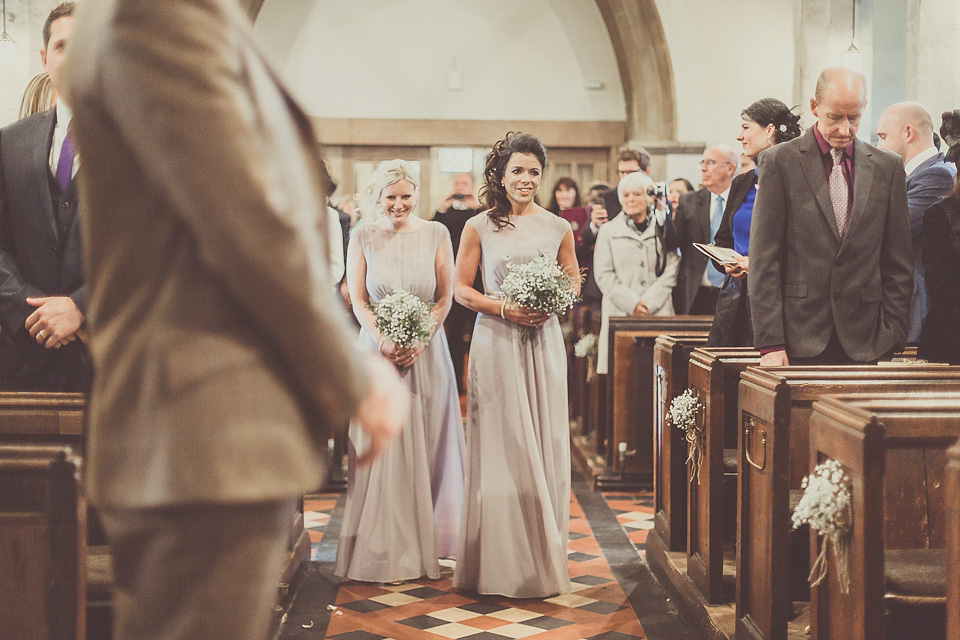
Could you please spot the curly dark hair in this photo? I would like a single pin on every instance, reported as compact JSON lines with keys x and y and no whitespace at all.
{"x":950,"y":132}
{"x":769,"y":111}
{"x":493,"y":194}
{"x":569,"y":183}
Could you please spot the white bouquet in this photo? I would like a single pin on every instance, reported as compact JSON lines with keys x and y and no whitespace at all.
{"x":586,"y":346}
{"x":683,"y":415}
{"x":826,"y":505}
{"x":404,"y":319}
{"x":538,"y":284}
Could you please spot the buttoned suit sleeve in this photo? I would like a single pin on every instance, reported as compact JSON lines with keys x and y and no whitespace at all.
{"x":767,"y":247}
{"x":190,"y":118}
{"x":896,"y":259}
{"x":928,"y":187}
{"x":14,"y":289}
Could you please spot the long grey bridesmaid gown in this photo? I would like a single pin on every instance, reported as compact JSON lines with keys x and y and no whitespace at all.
{"x":513,"y":538}
{"x":403,"y":512}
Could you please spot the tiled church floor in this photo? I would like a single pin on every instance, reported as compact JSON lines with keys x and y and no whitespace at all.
{"x":614,"y":595}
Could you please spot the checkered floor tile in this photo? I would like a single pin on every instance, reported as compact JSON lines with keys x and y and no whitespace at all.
{"x":596,"y":608}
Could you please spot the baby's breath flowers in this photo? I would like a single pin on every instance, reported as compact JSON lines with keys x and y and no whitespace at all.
{"x":538,"y":284}
{"x":586,"y":346}
{"x":826,"y":506}
{"x":683,"y":415}
{"x":404,"y":319}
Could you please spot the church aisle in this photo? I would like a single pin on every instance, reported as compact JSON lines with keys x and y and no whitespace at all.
{"x":614,"y":597}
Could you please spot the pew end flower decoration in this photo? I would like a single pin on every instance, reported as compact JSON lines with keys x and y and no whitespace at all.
{"x":683,"y":415}
{"x":404,"y":319}
{"x":826,"y":505}
{"x":539,"y":284}
{"x":586,"y":347}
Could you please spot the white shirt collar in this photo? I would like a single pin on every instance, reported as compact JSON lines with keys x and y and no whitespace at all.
{"x":64,"y":115}
{"x":919,"y":159}
{"x":714,"y":196}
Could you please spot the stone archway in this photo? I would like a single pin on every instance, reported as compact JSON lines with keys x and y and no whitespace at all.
{"x":643,"y":58}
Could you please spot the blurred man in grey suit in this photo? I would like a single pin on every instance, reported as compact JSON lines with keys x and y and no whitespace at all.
{"x":830,"y":258}
{"x":907,"y":130}
{"x":222,"y":357}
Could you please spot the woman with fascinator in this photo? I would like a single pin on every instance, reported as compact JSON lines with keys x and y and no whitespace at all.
{"x":940,"y":336}
{"x":765,"y":123}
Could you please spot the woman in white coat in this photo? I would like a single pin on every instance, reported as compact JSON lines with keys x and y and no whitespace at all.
{"x":632,"y":268}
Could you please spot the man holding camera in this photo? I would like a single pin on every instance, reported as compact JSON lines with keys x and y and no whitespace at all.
{"x":697,"y":219}
{"x":453,"y":213}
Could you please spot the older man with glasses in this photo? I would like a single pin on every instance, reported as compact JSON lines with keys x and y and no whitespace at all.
{"x":697,"y":219}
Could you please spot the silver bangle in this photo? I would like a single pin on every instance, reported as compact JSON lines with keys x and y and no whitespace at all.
{"x":502,"y":307}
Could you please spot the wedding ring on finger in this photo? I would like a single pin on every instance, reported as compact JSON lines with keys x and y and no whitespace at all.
{"x":40,"y":336}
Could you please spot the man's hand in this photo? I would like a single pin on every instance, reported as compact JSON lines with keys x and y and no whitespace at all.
{"x":384,"y":409}
{"x":598,"y":215}
{"x":55,"y":322}
{"x":775,"y":359}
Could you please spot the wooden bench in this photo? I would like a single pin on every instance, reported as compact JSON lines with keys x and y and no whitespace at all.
{"x":773,"y":457}
{"x":57,"y":419}
{"x":714,"y":375}
{"x":42,"y":544}
{"x":893,"y":448}
{"x":629,"y":402}
{"x":670,"y":357}
{"x":951,"y":500}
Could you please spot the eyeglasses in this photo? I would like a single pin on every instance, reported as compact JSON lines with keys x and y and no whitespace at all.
{"x":711,"y":163}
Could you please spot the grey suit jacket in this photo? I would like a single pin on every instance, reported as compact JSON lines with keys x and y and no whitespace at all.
{"x":690,"y":224}
{"x":222,"y":356}
{"x":928,"y":183}
{"x":805,"y":282}
{"x":34,"y":260}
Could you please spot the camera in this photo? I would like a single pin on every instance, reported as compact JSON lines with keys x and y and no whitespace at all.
{"x":459,"y":196}
{"x":657,"y":190}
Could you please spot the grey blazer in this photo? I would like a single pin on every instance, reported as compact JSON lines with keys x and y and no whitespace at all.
{"x":222,"y":355}
{"x":805,"y":282}
{"x":925,"y":186}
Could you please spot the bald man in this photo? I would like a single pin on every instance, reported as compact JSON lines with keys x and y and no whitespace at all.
{"x":831,"y":266}
{"x":697,"y":219}
{"x":906,"y":129}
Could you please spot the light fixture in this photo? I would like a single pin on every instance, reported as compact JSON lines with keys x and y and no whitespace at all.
{"x":5,"y":37}
{"x":852,"y":58}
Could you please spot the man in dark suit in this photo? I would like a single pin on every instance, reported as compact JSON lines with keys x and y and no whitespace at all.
{"x":697,"y":219}
{"x":223,"y":358}
{"x":907,"y":130}
{"x":830,"y":258}
{"x":42,"y":300}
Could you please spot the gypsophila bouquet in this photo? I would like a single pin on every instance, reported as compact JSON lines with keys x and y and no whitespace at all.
{"x":683,"y":415}
{"x":826,"y":506}
{"x":586,"y":346}
{"x":404,"y":319}
{"x":538,"y":284}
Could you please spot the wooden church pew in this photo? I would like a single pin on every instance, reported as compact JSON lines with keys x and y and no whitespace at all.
{"x":714,"y":374}
{"x":670,"y":361}
{"x":893,"y":448}
{"x":774,"y":412}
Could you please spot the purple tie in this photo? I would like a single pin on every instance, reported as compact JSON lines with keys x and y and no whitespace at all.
{"x":65,"y":162}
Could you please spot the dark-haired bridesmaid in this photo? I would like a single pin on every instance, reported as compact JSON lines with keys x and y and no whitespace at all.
{"x":765,"y":123}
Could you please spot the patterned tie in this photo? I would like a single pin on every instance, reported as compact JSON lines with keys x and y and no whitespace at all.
{"x":839,"y":193}
{"x":65,"y":162}
{"x":715,"y":277}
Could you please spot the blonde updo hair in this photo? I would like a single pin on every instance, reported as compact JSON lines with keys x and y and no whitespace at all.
{"x":388,"y":173}
{"x":632,"y":181}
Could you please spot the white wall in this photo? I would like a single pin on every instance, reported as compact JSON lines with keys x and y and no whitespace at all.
{"x":519,"y":59}
{"x":20,"y":59}
{"x":725,"y":56}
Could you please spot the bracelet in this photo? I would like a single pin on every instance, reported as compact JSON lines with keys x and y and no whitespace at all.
{"x":380,"y":347}
{"x":502,"y":306}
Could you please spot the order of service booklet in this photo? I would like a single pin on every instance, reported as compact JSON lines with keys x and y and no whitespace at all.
{"x":722,"y":255}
